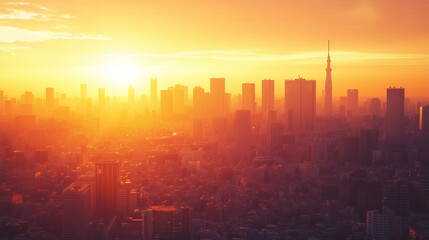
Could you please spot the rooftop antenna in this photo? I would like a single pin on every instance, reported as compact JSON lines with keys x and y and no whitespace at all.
{"x":328,"y":47}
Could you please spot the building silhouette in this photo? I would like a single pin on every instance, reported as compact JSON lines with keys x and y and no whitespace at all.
{"x":424,"y":119}
{"x":243,"y":128}
{"x":353,"y":101}
{"x":217,"y":95}
{"x":167,"y":103}
{"x":375,"y":107}
{"x":328,"y":85}
{"x":179,"y":99}
{"x":267,"y":96}
{"x":198,"y":102}
{"x":166,"y":222}
{"x":50,"y":97}
{"x":101,"y":98}
{"x":300,"y":104}
{"x":248,"y":95}
{"x":395,"y":114}
{"x":368,"y":142}
{"x":153,"y":93}
{"x":107,"y":183}
{"x":76,"y":211}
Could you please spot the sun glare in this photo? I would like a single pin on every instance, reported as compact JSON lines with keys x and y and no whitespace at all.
{"x":121,"y":74}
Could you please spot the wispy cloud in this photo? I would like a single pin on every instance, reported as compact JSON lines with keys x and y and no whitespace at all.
{"x":18,"y":3}
{"x":28,"y":11}
{"x":11,"y":48}
{"x":13,"y":34}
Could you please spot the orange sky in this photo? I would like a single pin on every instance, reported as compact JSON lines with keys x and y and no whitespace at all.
{"x":114,"y":44}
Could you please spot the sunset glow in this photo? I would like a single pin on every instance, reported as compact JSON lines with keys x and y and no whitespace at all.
{"x":189,"y":42}
{"x":214,"y":119}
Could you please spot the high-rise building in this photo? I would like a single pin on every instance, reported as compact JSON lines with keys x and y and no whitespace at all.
{"x":243,"y":128}
{"x":76,"y":211}
{"x":198,"y":102}
{"x":28,"y":98}
{"x":179,"y":98}
{"x":353,"y":100}
{"x":395,"y":114}
{"x":375,"y":107}
{"x":424,"y":119}
{"x":300,"y":104}
{"x":166,"y":222}
{"x":349,"y":149}
{"x":267,"y":96}
{"x":227,"y":103}
{"x":275,"y":136}
{"x":379,"y":224}
{"x":153,"y":93}
{"x":2,"y":102}
{"x":166,"y":103}
{"x":107,"y":183}
{"x":131,"y":96}
{"x":83,"y":91}
{"x":101,"y":97}
{"x":368,"y":143}
{"x":197,"y":129}
{"x":89,"y":179}
{"x":50,"y":97}
{"x":328,"y":86}
{"x":217,"y":95}
{"x":248,"y":93}
{"x":396,"y":198}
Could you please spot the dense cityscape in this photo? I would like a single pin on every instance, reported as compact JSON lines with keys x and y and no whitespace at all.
{"x":213,"y":165}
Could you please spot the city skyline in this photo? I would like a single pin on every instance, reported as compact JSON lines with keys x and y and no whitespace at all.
{"x":214,"y":120}
{"x":121,"y":53}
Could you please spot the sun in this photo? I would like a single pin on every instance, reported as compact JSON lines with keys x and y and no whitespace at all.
{"x":122,"y":71}
{"x":120,"y":74}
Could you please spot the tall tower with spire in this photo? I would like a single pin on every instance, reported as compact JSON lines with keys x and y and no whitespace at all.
{"x":328,"y":86}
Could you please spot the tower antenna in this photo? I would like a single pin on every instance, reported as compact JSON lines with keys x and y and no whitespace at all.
{"x":328,"y":47}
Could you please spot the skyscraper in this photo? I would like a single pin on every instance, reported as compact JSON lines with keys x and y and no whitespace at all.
{"x":153,"y":93}
{"x":76,"y":211}
{"x":49,"y":97}
{"x":395,"y":114}
{"x":248,"y":93}
{"x":179,"y":99}
{"x":131,"y":96}
{"x":243,"y":127}
{"x":367,"y":144}
{"x":198,"y":102}
{"x":378,"y":224}
{"x":300,"y":104}
{"x":101,"y":97}
{"x":166,"y":222}
{"x":375,"y":107}
{"x":424,"y":119}
{"x":83,"y":91}
{"x":217,"y":95}
{"x":267,"y":96}
{"x":328,"y":86}
{"x":107,"y":183}
{"x":353,"y":100}
{"x":396,"y":198}
{"x":166,"y":103}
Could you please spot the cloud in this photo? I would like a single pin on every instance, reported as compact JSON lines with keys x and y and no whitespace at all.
{"x":13,"y":34}
{"x":11,"y":49}
{"x":18,"y":3}
{"x":28,"y":11}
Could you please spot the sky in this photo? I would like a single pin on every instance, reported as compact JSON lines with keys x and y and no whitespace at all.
{"x":116,"y":44}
